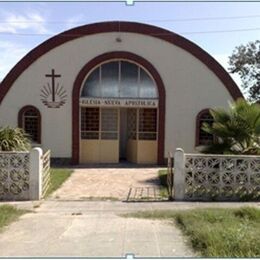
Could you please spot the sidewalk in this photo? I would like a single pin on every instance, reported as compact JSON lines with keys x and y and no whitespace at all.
{"x":96,"y":228}
{"x":81,"y":228}
{"x":53,"y":205}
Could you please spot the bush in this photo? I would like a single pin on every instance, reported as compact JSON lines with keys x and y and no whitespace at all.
{"x":237,"y":131}
{"x":14,"y":139}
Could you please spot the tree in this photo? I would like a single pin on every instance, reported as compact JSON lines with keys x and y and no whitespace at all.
{"x":245,"y":60}
{"x":236,"y":131}
{"x":13,"y":139}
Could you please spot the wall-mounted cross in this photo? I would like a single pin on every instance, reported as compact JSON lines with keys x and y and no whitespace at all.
{"x":53,"y":76}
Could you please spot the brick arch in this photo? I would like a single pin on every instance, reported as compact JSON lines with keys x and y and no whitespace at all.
{"x":76,"y":95}
{"x":119,"y":26}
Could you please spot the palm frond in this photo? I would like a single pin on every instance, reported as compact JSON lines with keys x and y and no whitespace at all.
{"x":237,"y":130}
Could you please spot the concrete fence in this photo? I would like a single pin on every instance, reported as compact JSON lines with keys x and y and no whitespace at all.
{"x":216,"y":177}
{"x":21,"y":175}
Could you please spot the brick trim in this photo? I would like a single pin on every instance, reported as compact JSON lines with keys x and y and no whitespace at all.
{"x":76,"y":94}
{"x":20,"y":120}
{"x":118,"y":26}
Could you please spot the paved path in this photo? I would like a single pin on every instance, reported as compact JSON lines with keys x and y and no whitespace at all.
{"x":82,"y":228}
{"x":96,"y":228}
{"x":71,"y":226}
{"x":106,"y":182}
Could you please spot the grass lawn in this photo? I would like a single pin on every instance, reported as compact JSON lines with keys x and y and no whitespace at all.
{"x":216,"y":232}
{"x":58,"y":176}
{"x":9,"y":214}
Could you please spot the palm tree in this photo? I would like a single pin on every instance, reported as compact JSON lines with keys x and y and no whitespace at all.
{"x":13,"y":139}
{"x":236,"y":131}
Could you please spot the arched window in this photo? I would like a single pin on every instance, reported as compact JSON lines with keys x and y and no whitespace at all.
{"x":119,"y":79}
{"x":202,"y":137}
{"x":29,"y":118}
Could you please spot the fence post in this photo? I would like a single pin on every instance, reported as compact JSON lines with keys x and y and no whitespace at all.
{"x":35,"y":173}
{"x":170,"y":176}
{"x":179,"y":174}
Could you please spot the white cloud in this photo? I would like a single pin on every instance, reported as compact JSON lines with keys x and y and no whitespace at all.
{"x":26,"y":21}
{"x":10,"y":54}
{"x":14,"y":23}
{"x":74,"y":21}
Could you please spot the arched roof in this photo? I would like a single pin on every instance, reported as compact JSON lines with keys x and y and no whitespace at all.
{"x":119,"y":26}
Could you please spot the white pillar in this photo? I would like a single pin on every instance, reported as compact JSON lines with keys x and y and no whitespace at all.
{"x":179,"y":174}
{"x":35,"y":173}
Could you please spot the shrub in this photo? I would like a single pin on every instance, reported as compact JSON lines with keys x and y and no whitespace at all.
{"x":14,"y":139}
{"x":236,"y":131}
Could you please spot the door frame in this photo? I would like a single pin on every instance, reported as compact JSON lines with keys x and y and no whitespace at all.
{"x":76,"y":97}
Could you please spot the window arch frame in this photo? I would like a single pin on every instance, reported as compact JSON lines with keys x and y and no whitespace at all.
{"x":198,"y":119}
{"x":119,"y":60}
{"x":21,"y":114}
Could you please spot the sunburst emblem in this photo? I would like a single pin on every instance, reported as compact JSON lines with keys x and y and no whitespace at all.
{"x":53,"y":95}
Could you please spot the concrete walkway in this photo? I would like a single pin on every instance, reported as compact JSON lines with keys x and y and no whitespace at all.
{"x":106,"y":182}
{"x":71,"y":226}
{"x":82,"y":228}
{"x":97,"y":228}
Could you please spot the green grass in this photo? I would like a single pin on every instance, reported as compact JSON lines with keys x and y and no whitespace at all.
{"x":9,"y":214}
{"x":163,"y":181}
{"x":216,"y":232}
{"x":58,"y":176}
{"x":91,"y":198}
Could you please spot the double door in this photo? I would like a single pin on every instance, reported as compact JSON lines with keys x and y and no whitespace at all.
{"x":110,"y":134}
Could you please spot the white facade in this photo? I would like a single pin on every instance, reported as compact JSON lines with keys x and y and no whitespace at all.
{"x":190,"y":87}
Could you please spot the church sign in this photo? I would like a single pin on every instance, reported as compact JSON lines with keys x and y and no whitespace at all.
{"x":119,"y":102}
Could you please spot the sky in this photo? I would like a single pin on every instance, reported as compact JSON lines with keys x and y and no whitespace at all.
{"x":217,"y":27}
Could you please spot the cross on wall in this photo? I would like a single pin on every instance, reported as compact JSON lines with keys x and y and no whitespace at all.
{"x":53,"y":76}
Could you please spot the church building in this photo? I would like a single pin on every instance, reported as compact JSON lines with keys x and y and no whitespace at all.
{"x":112,"y":91}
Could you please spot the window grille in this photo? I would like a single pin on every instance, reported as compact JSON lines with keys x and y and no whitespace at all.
{"x":99,"y":123}
{"x":30,"y":121}
{"x":147,"y":124}
{"x":109,"y":123}
{"x":89,"y":123}
{"x":102,"y":123}
{"x":204,"y":138}
{"x":132,"y":123}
